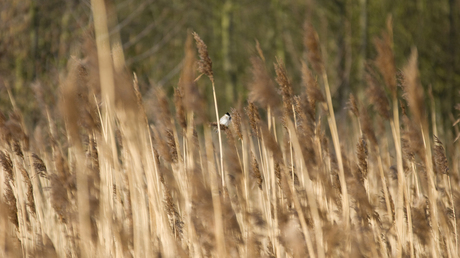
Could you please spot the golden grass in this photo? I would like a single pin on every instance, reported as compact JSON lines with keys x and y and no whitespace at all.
{"x":111,"y":182}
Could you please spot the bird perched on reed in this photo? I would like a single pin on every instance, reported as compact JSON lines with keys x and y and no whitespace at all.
{"x":224,"y":122}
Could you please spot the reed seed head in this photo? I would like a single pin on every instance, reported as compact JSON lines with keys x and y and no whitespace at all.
{"x":378,"y":98}
{"x":193,"y":100}
{"x":254,"y":118}
{"x":205,"y":63}
{"x":311,"y":41}
{"x":313,"y":92}
{"x":236,"y":118}
{"x":385,"y":57}
{"x":285,"y":87}
{"x":261,"y":87}
{"x":413,"y":89}
{"x":353,"y":106}
{"x":180,"y":110}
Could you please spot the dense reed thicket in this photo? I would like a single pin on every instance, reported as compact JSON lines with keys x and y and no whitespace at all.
{"x":287,"y":178}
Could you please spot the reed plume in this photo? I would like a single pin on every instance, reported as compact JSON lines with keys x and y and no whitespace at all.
{"x":285,"y":88}
{"x":353,"y":106}
{"x":440,"y":157}
{"x":194,"y":100}
{"x":180,"y":110}
{"x":312,"y":89}
{"x":254,"y":118}
{"x":30,"y":192}
{"x":385,"y":57}
{"x":39,"y":165}
{"x":412,"y":88}
{"x":256,"y":171}
{"x":9,"y":196}
{"x":261,"y":87}
{"x":377,"y":96}
{"x":205,"y":63}
{"x":367,"y":127}
{"x":236,"y":122}
{"x":311,"y":42}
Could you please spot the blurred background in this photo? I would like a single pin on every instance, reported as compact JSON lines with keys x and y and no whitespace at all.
{"x":39,"y":37}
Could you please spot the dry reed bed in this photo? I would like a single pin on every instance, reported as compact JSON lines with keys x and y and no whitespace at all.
{"x":281,"y":181}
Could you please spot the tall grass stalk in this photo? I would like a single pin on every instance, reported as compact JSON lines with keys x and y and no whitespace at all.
{"x":316,"y":60}
{"x":219,"y":131}
{"x":335,"y":139}
{"x":205,"y":67}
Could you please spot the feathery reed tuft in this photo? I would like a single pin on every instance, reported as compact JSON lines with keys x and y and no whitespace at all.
{"x":7,"y":165}
{"x":205,"y":63}
{"x":9,"y":196}
{"x":368,"y":130}
{"x":311,"y":84}
{"x":412,"y":88}
{"x":256,"y":171}
{"x":30,"y":191}
{"x":440,"y":157}
{"x":161,"y":109}
{"x":236,"y":122}
{"x":259,"y":51}
{"x":285,"y":87}
{"x":193,"y":100}
{"x":17,"y":149}
{"x":180,"y":110}
{"x":254,"y":118}
{"x":271,"y":144}
{"x":362,"y":156}
{"x":352,"y":105}
{"x":39,"y":165}
{"x":312,"y":44}
{"x":385,"y":57}
{"x":377,"y":97}
{"x":11,"y":203}
{"x":139,"y":101}
{"x":261,"y":87}
{"x":172,"y":145}
{"x":70,"y":101}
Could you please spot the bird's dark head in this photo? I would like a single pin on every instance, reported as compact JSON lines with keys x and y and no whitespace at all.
{"x":228,"y":114}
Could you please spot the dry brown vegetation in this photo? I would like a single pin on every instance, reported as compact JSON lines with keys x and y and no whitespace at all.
{"x":284,"y":180}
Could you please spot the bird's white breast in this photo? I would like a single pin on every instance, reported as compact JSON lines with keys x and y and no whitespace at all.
{"x":224,"y":120}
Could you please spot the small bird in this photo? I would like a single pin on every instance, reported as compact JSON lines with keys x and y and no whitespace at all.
{"x":225,"y":120}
